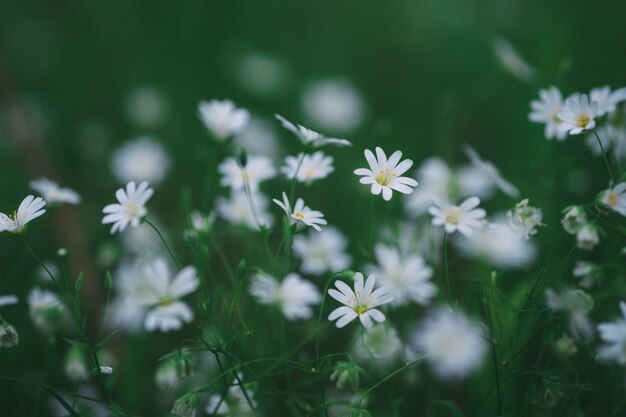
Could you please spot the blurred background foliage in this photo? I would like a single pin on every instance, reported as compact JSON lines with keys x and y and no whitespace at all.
{"x":426,"y":71}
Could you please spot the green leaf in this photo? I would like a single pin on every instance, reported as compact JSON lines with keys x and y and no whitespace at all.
{"x":106,"y":340}
{"x":61,"y":401}
{"x":78,"y":285}
{"x":242,"y":269}
{"x":78,"y":344}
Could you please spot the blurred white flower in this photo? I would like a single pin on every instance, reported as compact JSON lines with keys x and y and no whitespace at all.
{"x":309,"y":168}
{"x":53,"y":193}
{"x":237,"y":210}
{"x":587,"y":236}
{"x":131,"y":207}
{"x":259,"y":73}
{"x":222,"y":118}
{"x":454,"y":345}
{"x":435,"y":180}
{"x":501,"y":245}
{"x":75,"y":366}
{"x":613,"y":334}
{"x":8,"y":335}
{"x":525,"y":219}
{"x":7,"y":300}
{"x":361,"y":302}
{"x":406,"y":277}
{"x":490,"y":175}
{"x":202,"y":223}
{"x":573,"y":219}
{"x":615,"y":198}
{"x":257,"y":170}
{"x":131,"y":281}
{"x":259,"y":138}
{"x":46,"y":310}
{"x":310,"y":137}
{"x":142,"y":240}
{"x":166,"y":376}
{"x":578,"y":114}
{"x":384,"y":174}
{"x":612,"y":138}
{"x":511,"y":60}
{"x":378,"y":342}
{"x":166,"y":310}
{"x":464,"y":218}
{"x":588,"y":272}
{"x":142,"y":159}
{"x":294,"y":296}
{"x":30,"y":208}
{"x":577,"y":303}
{"x":334,"y":105}
{"x":146,"y":107}
{"x":301,"y":215}
{"x":546,"y":111}
{"x":607,"y":100}
{"x":322,"y":252}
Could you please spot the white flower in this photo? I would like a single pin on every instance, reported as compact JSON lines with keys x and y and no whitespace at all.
{"x":294,"y":295}
{"x":607,"y":100}
{"x":8,"y":335}
{"x":106,"y":370}
{"x":614,"y":336}
{"x":301,"y":215}
{"x":7,"y":300}
{"x":407,"y":278}
{"x":166,"y":376}
{"x":489,"y":172}
{"x":501,"y":245}
{"x":200,"y":222}
{"x":237,"y":209}
{"x":385,"y":174}
{"x":525,"y":219}
{"x":615,"y":198}
{"x":334,"y":105}
{"x":587,"y":236}
{"x":259,"y":138}
{"x":454,"y":345}
{"x":257,"y":169}
{"x":464,"y":218}
{"x":142,"y":159}
{"x":146,"y":107}
{"x":379,"y":342}
{"x":222,"y":118}
{"x":322,"y":252}
{"x":435,"y":183}
{"x":53,"y":193}
{"x":167,"y":312}
{"x":578,"y":115}
{"x":46,"y":309}
{"x":361,"y":302}
{"x":30,"y":208}
{"x":546,"y":111}
{"x":75,"y":366}
{"x":310,"y":137}
{"x":612,"y":138}
{"x":131,"y":208}
{"x":511,"y":60}
{"x":309,"y":167}
{"x":589,"y":273}
{"x":573,"y":219}
{"x":577,"y":303}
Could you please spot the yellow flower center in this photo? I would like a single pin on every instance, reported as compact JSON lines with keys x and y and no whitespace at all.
{"x":360,"y":309}
{"x":310,"y":172}
{"x":612,"y":199}
{"x":453,"y":216}
{"x":166,"y":301}
{"x":384,"y":177}
{"x":131,"y":209}
{"x":583,"y":120}
{"x":298,"y":215}
{"x":555,"y":118}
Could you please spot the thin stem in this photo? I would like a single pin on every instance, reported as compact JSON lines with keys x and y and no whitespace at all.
{"x":370,"y":234}
{"x":445,"y":265}
{"x":294,"y":180}
{"x":606,"y":161}
{"x":222,"y":256}
{"x":145,"y":220}
{"x":388,"y":377}
{"x":319,"y":323}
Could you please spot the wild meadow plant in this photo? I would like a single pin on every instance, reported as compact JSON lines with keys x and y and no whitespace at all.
{"x":270,"y":309}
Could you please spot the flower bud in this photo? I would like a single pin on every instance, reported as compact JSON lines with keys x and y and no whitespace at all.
{"x":346,"y":374}
{"x":186,"y":405}
{"x":573,"y":219}
{"x":587,"y":236}
{"x":166,"y":376}
{"x":8,"y":335}
{"x":75,"y":365}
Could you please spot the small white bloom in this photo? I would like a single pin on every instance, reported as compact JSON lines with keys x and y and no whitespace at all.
{"x":237,"y":209}
{"x":142,"y":159}
{"x":407,"y":278}
{"x":577,"y":303}
{"x":301,"y":215}
{"x":222,"y":118}
{"x":166,"y":376}
{"x":106,"y":370}
{"x":46,"y":310}
{"x":53,"y":193}
{"x":614,"y":336}
{"x":294,"y":295}
{"x":257,"y":169}
{"x":334,"y":105}
{"x":202,"y":223}
{"x":573,"y":219}
{"x":587,"y":236}
{"x":378,"y":342}
{"x":454,"y":345}
{"x":511,"y":60}
{"x":525,"y":219}
{"x":146,"y":107}
{"x":167,"y":311}
{"x":8,"y":335}
{"x":607,"y":100}
{"x":588,"y":272}
{"x":436,"y":179}
{"x":612,"y":138}
{"x":615,"y":198}
{"x":578,"y":114}
{"x":309,"y":167}
{"x":464,"y":218}
{"x":384,"y":174}
{"x":322,"y":252}
{"x":75,"y":366}
{"x":30,"y":208}
{"x":131,"y":207}
{"x":131,"y":282}
{"x":361,"y":302}
{"x":546,"y":111}
{"x":259,"y":138}
{"x":7,"y":300}
{"x":310,"y":137}
{"x":490,"y":174}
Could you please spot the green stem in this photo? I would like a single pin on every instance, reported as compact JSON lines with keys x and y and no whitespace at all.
{"x":294,"y":180}
{"x":156,"y":229}
{"x":388,"y":377}
{"x":606,"y":161}
{"x":319,"y":323}
{"x":445,"y":264}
